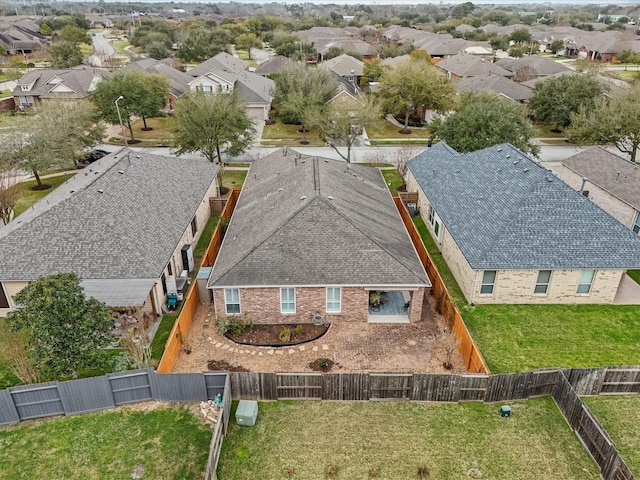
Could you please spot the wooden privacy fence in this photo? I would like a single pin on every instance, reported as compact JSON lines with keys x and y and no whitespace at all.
{"x":468,"y":349}
{"x":219,"y":432}
{"x":109,"y":391}
{"x":183,"y":323}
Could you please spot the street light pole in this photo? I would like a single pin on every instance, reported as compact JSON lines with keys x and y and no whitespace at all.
{"x":124,"y":136}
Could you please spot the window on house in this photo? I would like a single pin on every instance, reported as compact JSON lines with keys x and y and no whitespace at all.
{"x":636,"y":226}
{"x":432,"y":215}
{"x":169,"y":269}
{"x":488,"y":281}
{"x":204,"y":88}
{"x":288,"y":300}
{"x":333,"y":299}
{"x":434,"y":220}
{"x":4,"y":301}
{"x":194,"y":226}
{"x":232,"y":300}
{"x":586,"y":280}
{"x":542,"y":283}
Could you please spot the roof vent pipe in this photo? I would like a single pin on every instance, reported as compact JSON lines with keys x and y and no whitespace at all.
{"x":584,"y":182}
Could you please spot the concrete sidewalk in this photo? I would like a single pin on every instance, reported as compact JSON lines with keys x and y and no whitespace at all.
{"x":628,"y":292}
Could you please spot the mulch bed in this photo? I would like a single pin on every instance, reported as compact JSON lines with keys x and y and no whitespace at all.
{"x":224,"y":365}
{"x":269,"y":335}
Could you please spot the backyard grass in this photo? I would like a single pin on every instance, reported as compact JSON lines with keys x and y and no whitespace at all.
{"x":205,"y":237}
{"x":635,"y":275}
{"x":283,"y":134}
{"x":168,"y":442}
{"x":385,"y":129}
{"x":515,"y":338}
{"x":447,"y":277}
{"x":28,"y":197}
{"x":233,"y":178}
{"x":393,"y":179}
{"x":389,"y":440}
{"x":162,"y":335}
{"x":620,"y":416}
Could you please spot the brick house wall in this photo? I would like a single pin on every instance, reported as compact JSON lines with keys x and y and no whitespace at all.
{"x":516,"y":286}
{"x":615,"y":207}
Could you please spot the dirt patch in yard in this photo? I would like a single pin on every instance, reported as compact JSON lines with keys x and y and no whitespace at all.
{"x":278,"y":335}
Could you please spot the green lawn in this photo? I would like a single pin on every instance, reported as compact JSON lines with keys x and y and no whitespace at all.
{"x":393,"y":179}
{"x":162,"y":335}
{"x":620,"y":416}
{"x":635,"y":275}
{"x":119,"y":46}
{"x":7,"y":379}
{"x":205,"y":238}
{"x":233,"y":178}
{"x":28,"y":197}
{"x":389,"y":440}
{"x":385,"y":129}
{"x":546,"y":131}
{"x":515,"y":338}
{"x":283,"y":134}
{"x":161,"y":129}
{"x":244,"y":55}
{"x":168,"y":442}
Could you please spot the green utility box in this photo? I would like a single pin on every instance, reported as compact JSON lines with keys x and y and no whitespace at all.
{"x":247,"y":412}
{"x":505,"y":411}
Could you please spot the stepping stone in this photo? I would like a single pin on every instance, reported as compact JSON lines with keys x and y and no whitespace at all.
{"x":224,"y":347}
{"x":254,"y":352}
{"x":259,"y":354}
{"x":270,"y":352}
{"x":232,"y":349}
{"x":218,"y":345}
{"x":292,"y":351}
{"x":302,"y":348}
{"x":279,"y":352}
{"x":325,"y":347}
{"x":315,"y":349}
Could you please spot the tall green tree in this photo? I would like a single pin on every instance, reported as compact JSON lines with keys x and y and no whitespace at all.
{"x":66,"y":330}
{"x":414,"y":84}
{"x":201,"y":44}
{"x":556,"y":98}
{"x":144,"y":95}
{"x":247,"y":41}
{"x":611,"y":121}
{"x":65,"y":55}
{"x":211,"y":124}
{"x":53,"y":135}
{"x":482,"y":120}
{"x":339,"y":124}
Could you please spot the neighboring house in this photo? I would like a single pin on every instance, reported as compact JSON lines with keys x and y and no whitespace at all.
{"x":255,"y":90}
{"x":320,"y":37}
{"x":464,"y":65}
{"x":313,"y":237}
{"x":120,"y":225}
{"x":512,"y":232}
{"x":20,"y":37}
{"x":71,"y":83}
{"x":345,"y":66}
{"x":441,"y":46}
{"x":364,"y":49}
{"x":178,"y":81}
{"x":534,"y":65}
{"x":608,"y":180}
{"x":274,"y":65}
{"x":497,"y":84}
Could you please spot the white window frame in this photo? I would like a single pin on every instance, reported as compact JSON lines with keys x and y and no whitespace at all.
{"x":229,"y":292}
{"x":288,"y":300}
{"x":333,"y":305}
{"x":435,"y":222}
{"x":636,"y":225}
{"x":540,"y":284}
{"x":485,"y":283}
{"x":582,"y":283}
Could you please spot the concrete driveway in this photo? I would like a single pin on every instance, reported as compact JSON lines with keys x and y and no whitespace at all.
{"x":628,"y":292}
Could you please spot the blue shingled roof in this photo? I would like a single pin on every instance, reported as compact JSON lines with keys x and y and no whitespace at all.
{"x":506,"y":211}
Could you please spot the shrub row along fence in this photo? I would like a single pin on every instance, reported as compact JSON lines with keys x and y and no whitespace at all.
{"x":563,"y":385}
{"x":183,"y":323}
{"x":473,"y":359}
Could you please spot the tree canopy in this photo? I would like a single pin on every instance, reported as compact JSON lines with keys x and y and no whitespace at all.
{"x":482,"y":120}
{"x":211,"y":124}
{"x":556,"y":98}
{"x":144,"y":95}
{"x":66,"y":330}
{"x":413,"y":84}
{"x":611,"y":121}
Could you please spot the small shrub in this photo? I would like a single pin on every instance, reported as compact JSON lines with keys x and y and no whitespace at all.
{"x":331,"y":470}
{"x":423,"y":472}
{"x":285,"y":334}
{"x":298,"y":329}
{"x":323,"y":362}
{"x":288,"y":472}
{"x":230,"y":325}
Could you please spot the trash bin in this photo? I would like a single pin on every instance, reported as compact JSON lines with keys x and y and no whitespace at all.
{"x":412,"y":208}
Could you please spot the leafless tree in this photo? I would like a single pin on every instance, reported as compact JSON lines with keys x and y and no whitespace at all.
{"x":14,"y":354}
{"x":137,"y":341}
{"x":8,"y":193}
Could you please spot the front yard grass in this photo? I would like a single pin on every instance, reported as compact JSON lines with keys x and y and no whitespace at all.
{"x":284,"y":134}
{"x":385,"y":129}
{"x":28,"y":197}
{"x":620,"y":416}
{"x":161,"y":129}
{"x":515,"y":338}
{"x":547,"y":131}
{"x":301,"y":440}
{"x":168,"y":442}
{"x":635,"y":275}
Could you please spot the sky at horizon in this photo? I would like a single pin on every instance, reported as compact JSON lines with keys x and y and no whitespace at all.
{"x":410,"y":3}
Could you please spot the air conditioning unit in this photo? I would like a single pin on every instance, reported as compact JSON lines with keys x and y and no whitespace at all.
{"x":187,"y":257}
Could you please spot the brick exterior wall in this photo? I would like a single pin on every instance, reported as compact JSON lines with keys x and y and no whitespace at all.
{"x":615,"y":207}
{"x":516,"y":286}
{"x":262,"y":305}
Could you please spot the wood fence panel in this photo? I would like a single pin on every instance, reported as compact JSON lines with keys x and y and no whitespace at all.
{"x":617,"y":469}
{"x":86,"y":395}
{"x":473,"y":388}
{"x":621,"y":380}
{"x":355,"y":386}
{"x":568,"y":401}
{"x":435,"y":388}
{"x":214,"y":448}
{"x":299,"y":386}
{"x":8,"y":412}
{"x":542,"y":382}
{"x":130,"y":387}
{"x":510,"y":386}
{"x":253,"y":386}
{"x":390,"y":386}
{"x":595,"y":440}
{"x":38,"y":401}
{"x":585,"y":381}
{"x":178,"y":387}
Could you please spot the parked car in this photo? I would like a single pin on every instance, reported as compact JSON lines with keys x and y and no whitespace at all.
{"x":91,"y":157}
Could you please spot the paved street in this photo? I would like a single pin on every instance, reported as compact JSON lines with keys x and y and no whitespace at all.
{"x":102,"y":50}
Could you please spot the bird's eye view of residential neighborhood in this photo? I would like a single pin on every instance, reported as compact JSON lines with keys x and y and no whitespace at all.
{"x":318,"y":241}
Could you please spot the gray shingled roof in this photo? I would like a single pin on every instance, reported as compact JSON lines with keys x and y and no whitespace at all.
{"x":619,"y":177}
{"x":506,"y":211}
{"x":466,"y":65}
{"x":543,"y":66}
{"x":343,"y":65}
{"x":273,"y":65}
{"x":178,"y":81}
{"x":127,"y":232}
{"x":80,"y":79}
{"x":315,"y":222}
{"x":221,"y":61}
{"x":494,"y":83}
